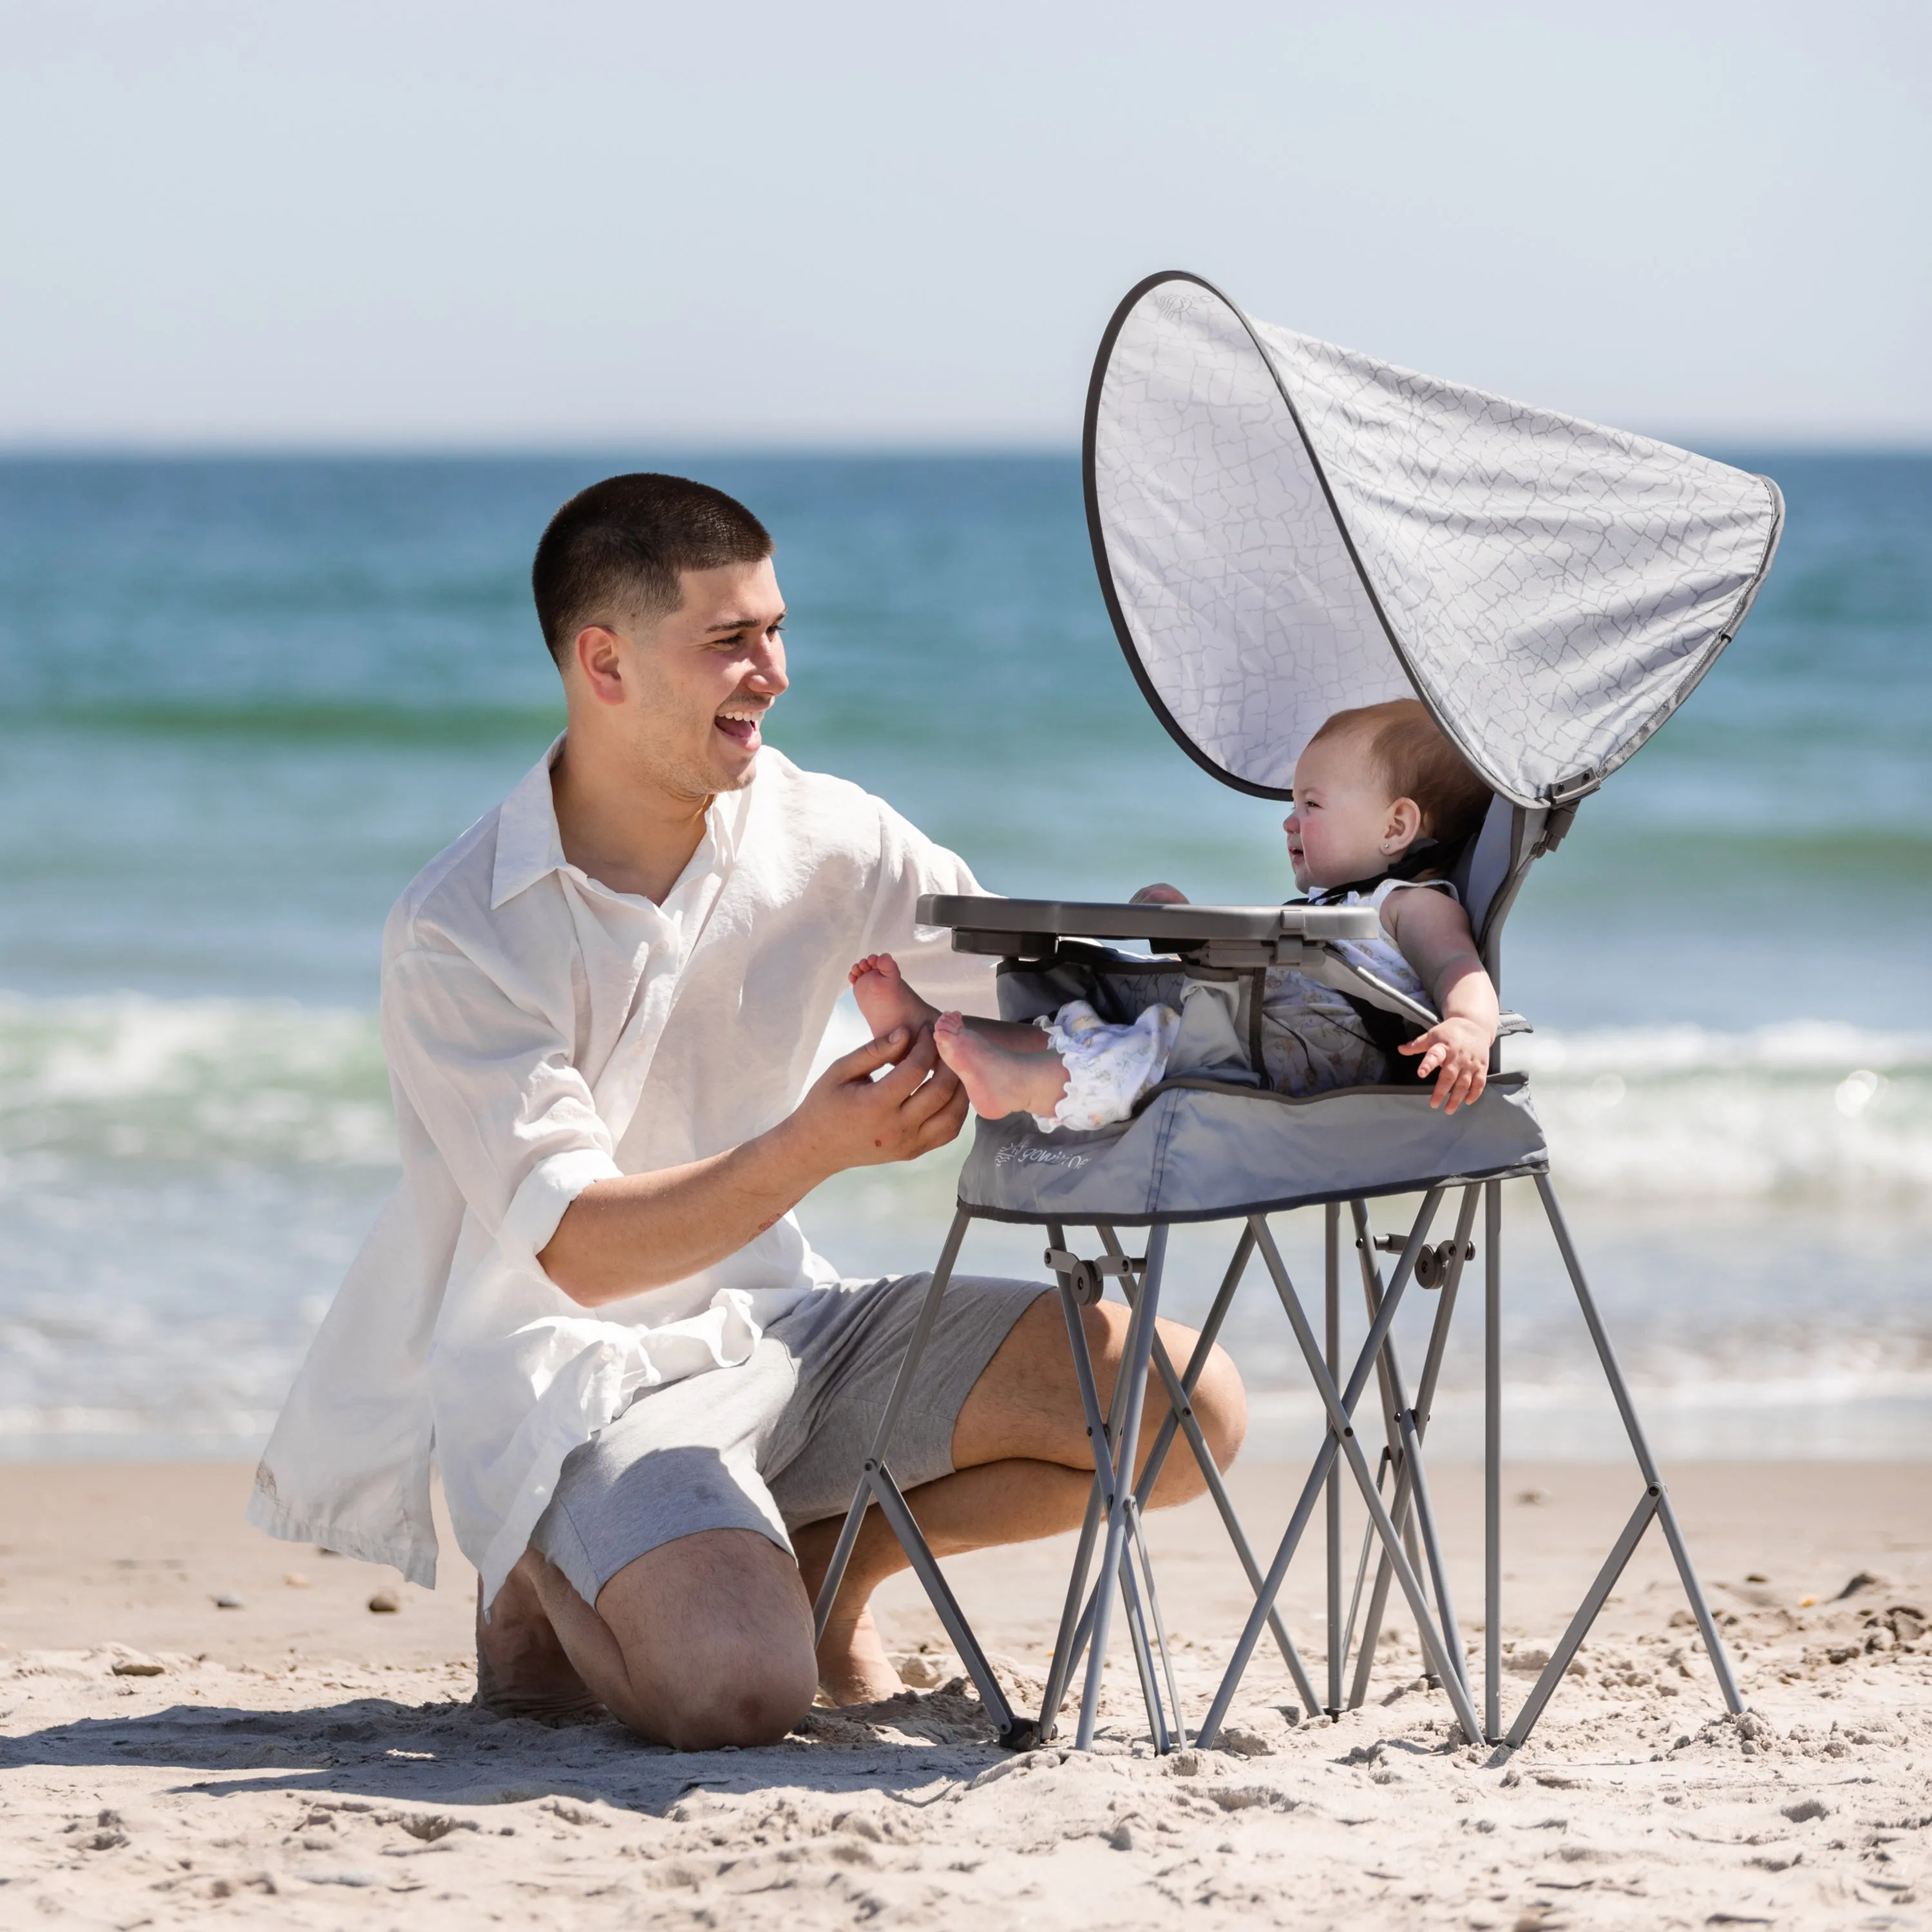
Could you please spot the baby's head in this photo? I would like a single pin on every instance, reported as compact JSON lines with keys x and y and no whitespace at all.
{"x":1371,"y":782}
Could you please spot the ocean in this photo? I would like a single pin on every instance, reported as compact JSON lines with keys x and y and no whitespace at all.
{"x":242,"y":700}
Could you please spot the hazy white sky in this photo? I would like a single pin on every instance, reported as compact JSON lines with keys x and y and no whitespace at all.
{"x":418,"y":223}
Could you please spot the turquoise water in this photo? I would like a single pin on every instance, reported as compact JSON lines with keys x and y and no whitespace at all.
{"x":241,"y":702}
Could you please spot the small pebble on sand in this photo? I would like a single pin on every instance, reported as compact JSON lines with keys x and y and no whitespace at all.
{"x":385,"y":1603}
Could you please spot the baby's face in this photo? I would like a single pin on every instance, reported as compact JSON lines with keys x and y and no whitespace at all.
{"x":1344,"y":821}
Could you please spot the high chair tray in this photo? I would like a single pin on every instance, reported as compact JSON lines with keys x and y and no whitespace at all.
{"x":1028,"y":926}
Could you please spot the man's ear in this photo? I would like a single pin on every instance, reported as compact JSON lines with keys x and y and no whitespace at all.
{"x":600,"y":662}
{"x":1403,"y":827}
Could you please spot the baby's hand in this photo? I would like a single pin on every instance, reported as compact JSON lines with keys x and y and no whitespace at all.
{"x":1457,"y":1052}
{"x":1159,"y":895}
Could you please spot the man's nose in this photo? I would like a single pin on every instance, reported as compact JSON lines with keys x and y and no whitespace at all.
{"x":768,"y":674}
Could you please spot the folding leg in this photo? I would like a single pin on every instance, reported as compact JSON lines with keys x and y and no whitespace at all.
{"x":1113,"y":1501}
{"x":1158,"y":1733}
{"x":1655,"y":1501}
{"x":1493,"y":1462}
{"x":876,"y":1484}
{"x":1180,"y":1416}
{"x":1115,"y":1471}
{"x":1078,"y":1615}
{"x":1342,"y":1441}
{"x":1391,"y":1463}
{"x":1139,"y":1533}
{"x":1384,"y":1465}
{"x":1071,"y":1638}
{"x":1338,"y":1641}
{"x":1408,"y":1426}
{"x":1593,"y":1601}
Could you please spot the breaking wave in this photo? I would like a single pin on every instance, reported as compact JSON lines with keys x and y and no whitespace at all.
{"x":182,"y":1182}
{"x":128,"y":1080}
{"x":1807,"y":1108}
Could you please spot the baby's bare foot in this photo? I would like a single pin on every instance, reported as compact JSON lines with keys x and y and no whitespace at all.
{"x":884,"y":998}
{"x":997,"y":1080}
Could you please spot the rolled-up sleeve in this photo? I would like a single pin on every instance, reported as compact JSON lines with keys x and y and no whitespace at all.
{"x":910,"y":864}
{"x":495,"y":1088}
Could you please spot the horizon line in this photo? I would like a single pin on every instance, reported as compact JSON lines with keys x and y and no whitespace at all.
{"x":296,"y":449}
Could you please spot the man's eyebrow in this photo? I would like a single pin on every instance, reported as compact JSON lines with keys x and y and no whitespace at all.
{"x":742,"y":623}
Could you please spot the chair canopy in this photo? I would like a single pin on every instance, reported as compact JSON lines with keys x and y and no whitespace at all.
{"x":1284,"y":529}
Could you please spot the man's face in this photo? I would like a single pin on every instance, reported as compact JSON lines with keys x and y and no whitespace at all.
{"x":694,"y":687}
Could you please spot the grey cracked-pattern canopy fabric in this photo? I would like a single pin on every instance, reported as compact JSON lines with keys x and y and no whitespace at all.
{"x":1285,"y":529}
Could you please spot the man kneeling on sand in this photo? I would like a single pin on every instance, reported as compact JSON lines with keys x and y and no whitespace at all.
{"x":649,"y":1399}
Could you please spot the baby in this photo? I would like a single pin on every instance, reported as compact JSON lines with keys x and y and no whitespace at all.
{"x":1374,"y":786}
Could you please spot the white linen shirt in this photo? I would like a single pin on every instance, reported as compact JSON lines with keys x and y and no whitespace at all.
{"x":544,"y":1032}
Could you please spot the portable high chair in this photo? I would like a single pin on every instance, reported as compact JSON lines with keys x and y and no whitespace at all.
{"x":1284,"y":529}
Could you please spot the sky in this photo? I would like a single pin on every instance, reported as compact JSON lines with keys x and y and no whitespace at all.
{"x":417,"y":224}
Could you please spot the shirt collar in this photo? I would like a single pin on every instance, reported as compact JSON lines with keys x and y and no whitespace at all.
{"x":529,"y":847}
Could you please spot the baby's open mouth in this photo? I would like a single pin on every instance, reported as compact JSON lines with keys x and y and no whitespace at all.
{"x":740,"y":723}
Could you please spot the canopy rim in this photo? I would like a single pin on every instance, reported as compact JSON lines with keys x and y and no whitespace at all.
{"x":1567,"y":791}
{"x":1104,"y":567}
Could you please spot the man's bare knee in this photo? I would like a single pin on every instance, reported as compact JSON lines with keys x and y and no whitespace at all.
{"x":1220,"y":1404}
{"x":725,"y":1697}
{"x":716,"y":1632}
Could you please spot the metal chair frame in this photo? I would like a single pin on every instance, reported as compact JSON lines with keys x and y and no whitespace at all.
{"x":1403,"y":1531}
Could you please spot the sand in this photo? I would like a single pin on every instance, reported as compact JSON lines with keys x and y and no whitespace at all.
{"x":300,"y":1759}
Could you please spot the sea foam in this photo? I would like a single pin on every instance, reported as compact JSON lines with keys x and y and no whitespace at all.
{"x":183,"y":1182}
{"x":1811,"y":1107}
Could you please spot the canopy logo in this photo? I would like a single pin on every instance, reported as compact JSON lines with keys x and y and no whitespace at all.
{"x":1178,"y":303}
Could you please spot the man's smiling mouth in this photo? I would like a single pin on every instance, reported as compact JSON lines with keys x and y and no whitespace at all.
{"x":740,"y":723}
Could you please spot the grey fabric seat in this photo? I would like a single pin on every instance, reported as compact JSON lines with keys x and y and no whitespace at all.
{"x":1205,"y":1148}
{"x":1283,"y":528}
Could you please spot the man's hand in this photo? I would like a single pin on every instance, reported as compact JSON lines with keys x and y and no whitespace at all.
{"x":621,"y":1237}
{"x":850,"y":1119}
{"x":1456,"y":1051}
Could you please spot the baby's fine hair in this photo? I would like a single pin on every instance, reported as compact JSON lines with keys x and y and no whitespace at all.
{"x":1415,"y":760}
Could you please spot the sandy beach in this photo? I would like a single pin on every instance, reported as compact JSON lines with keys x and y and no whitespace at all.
{"x":199,"y":1723}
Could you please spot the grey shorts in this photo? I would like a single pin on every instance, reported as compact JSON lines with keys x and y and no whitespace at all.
{"x":778,"y":1441}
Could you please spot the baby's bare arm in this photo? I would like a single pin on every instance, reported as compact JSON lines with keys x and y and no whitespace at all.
{"x":1433,"y":933}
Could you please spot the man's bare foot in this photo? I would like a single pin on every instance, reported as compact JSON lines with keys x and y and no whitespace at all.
{"x":521,"y":1669}
{"x":997,"y":1080}
{"x":853,"y":1666}
{"x":885,"y":999}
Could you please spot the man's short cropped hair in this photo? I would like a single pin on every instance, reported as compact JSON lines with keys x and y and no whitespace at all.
{"x":1415,"y":760}
{"x":612,"y":553}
